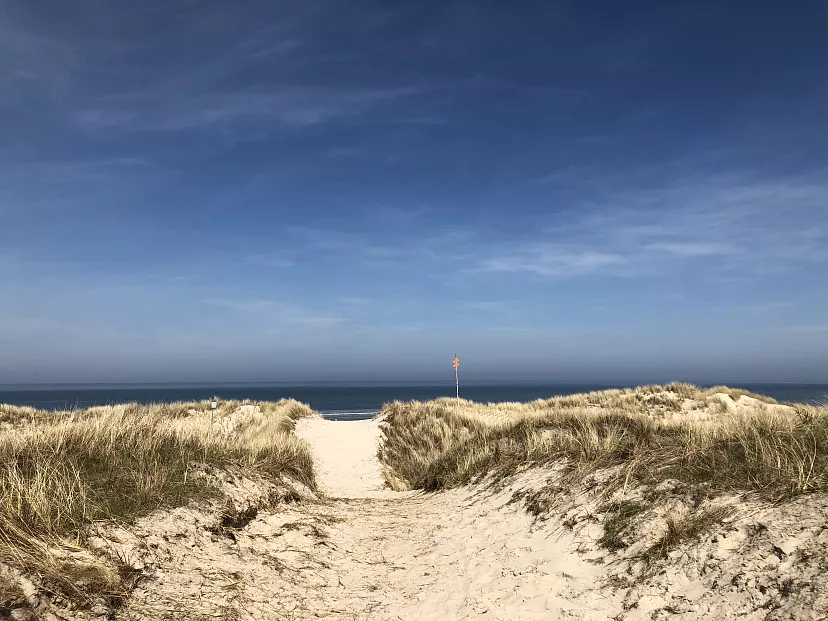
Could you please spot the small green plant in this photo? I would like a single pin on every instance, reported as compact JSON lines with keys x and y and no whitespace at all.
{"x":618,"y":519}
{"x":685,"y":529}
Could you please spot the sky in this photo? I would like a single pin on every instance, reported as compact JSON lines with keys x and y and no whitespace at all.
{"x":324,"y":190}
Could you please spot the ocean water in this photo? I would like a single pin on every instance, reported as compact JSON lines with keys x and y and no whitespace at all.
{"x":343,"y":401}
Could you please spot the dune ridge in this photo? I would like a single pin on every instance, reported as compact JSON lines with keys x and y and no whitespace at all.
{"x":648,"y":503}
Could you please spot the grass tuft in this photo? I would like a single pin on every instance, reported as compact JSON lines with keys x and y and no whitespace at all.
{"x":11,"y":595}
{"x":67,"y":469}
{"x":686,"y":529}
{"x":778,"y":452}
{"x":619,"y":518}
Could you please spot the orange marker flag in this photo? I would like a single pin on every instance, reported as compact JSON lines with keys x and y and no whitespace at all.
{"x":456,"y":377}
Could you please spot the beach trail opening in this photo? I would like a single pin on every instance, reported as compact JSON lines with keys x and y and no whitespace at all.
{"x":345,"y":456}
{"x":459,"y":554}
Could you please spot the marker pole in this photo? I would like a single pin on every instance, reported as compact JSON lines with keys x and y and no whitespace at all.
{"x":456,"y":377}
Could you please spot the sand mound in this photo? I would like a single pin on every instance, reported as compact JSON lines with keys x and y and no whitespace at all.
{"x":525,"y":548}
{"x":474,"y":552}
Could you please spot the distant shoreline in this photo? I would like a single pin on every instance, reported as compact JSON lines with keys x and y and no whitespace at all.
{"x":352,"y":400}
{"x":369,"y":384}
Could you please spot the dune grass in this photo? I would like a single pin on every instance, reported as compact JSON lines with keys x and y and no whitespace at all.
{"x":61,"y":471}
{"x":641,"y":437}
{"x":16,"y":415}
{"x":619,"y":516}
{"x":686,"y":528}
{"x":775,"y":451}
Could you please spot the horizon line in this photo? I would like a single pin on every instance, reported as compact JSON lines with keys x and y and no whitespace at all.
{"x":616,"y":383}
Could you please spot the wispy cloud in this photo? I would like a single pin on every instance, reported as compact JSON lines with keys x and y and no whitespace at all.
{"x":734,"y":224}
{"x":354,"y":301}
{"x":812,"y":329}
{"x":493,"y":306}
{"x":79,"y":170}
{"x":250,"y":70}
{"x":296,"y":106}
{"x":267,"y":260}
{"x":694,"y":249}
{"x":317,"y":240}
{"x":31,"y":59}
{"x":276,"y":313}
{"x":554,"y":261}
{"x":345,"y":153}
{"x":767,"y":307}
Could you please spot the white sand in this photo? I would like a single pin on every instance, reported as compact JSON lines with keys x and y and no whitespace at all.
{"x":438,"y":556}
{"x":345,"y":456}
{"x":364,"y":553}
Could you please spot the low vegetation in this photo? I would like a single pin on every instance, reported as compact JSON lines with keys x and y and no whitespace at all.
{"x":705,"y":441}
{"x":651,"y":433}
{"x":17,"y":415}
{"x":619,"y":515}
{"x":686,"y":528}
{"x":60,"y":471}
{"x":10,"y":595}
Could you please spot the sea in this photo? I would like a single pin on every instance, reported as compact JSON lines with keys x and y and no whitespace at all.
{"x":340,"y":401}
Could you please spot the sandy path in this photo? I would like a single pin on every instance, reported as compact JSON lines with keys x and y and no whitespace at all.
{"x":345,"y":456}
{"x":441,"y":556}
{"x":363,"y":553}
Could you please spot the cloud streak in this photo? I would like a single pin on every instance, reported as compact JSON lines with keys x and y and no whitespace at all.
{"x":276,"y":314}
{"x":694,"y":249}
{"x":725,"y":224}
{"x":555,"y":261}
{"x":295,"y":106}
{"x":812,"y":329}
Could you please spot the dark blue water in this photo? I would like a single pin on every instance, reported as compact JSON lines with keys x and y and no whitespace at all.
{"x":341,"y":401}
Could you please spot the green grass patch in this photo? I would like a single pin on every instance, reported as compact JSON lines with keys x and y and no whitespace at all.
{"x":619,"y":516}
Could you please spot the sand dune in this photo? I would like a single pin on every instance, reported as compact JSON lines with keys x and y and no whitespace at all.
{"x":521,"y":547}
{"x":363,"y":552}
{"x":367,"y":553}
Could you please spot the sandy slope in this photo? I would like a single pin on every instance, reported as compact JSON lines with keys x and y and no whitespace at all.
{"x":440,"y":556}
{"x":361,"y":552}
{"x":476,"y":554}
{"x":345,"y":456}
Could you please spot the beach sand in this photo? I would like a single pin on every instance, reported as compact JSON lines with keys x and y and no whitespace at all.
{"x":453,"y":555}
{"x":359,"y":551}
{"x":345,"y":457}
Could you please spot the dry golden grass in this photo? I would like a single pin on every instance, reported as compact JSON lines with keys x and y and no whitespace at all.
{"x":61,"y":471}
{"x":10,"y":594}
{"x":21,"y":414}
{"x":649,"y":432}
{"x":638,"y":437}
{"x":735,"y":393}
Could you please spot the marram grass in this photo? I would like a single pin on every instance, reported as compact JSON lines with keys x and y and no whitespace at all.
{"x":651,"y":433}
{"x":60,"y":471}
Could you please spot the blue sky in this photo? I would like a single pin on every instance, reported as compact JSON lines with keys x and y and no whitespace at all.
{"x":321,"y":190}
